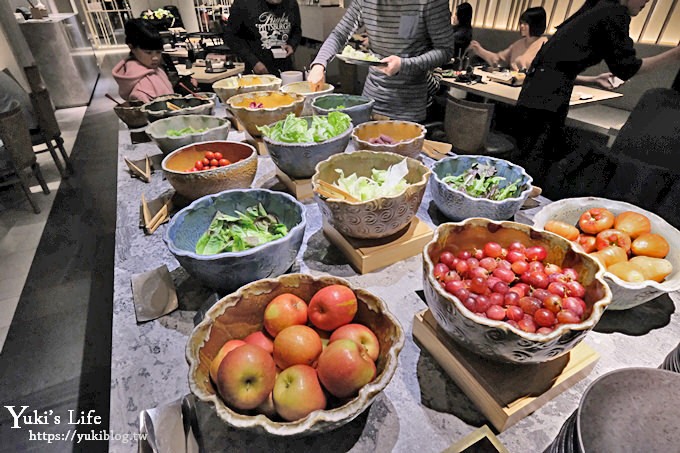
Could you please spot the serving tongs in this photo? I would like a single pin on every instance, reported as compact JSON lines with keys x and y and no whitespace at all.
{"x":172,"y":106}
{"x":330,"y":191}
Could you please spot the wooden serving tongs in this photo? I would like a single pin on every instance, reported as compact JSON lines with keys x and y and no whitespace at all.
{"x":330,"y":191}
{"x":151,"y":223}
{"x":144,"y":175}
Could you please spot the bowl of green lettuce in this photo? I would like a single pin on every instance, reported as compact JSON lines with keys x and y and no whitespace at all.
{"x":297,"y":144}
{"x":177,"y":131}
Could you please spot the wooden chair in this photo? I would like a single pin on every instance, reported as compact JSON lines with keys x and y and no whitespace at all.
{"x":48,"y":132}
{"x":18,"y":157}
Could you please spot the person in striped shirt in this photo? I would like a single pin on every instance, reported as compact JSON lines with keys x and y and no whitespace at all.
{"x":411,"y":36}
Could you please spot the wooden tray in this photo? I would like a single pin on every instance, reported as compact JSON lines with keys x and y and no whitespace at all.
{"x":504,"y":393}
{"x":480,"y":440}
{"x":258,"y":144}
{"x":367,"y":255}
{"x":300,"y":188}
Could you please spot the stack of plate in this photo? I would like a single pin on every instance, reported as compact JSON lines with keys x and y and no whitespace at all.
{"x":672,"y":360}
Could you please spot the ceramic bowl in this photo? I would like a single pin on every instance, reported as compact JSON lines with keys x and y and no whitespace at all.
{"x":458,"y":205}
{"x":359,"y":108}
{"x":409,"y":137}
{"x":371,"y":219}
{"x":499,"y":340}
{"x":277,"y":106}
{"x":188,"y":105}
{"x":305,"y":89}
{"x":624,"y":294}
{"x":240,"y":314}
{"x":228,"y":271}
{"x":238,"y":175}
{"x":231,"y":86}
{"x":631,"y":410}
{"x":206,"y":95}
{"x":298,"y":160}
{"x":216,"y":129}
{"x":130,"y":112}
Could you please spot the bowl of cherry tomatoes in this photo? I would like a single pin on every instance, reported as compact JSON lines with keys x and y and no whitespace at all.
{"x":206,"y":168}
{"x":638,"y":248}
{"x":510,"y":292}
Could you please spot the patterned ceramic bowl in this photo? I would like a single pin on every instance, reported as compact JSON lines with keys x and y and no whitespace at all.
{"x":231,"y":86}
{"x":371,"y":219}
{"x":261,"y":108}
{"x":239,"y":314}
{"x":408,"y":137}
{"x":298,"y":160}
{"x":305,"y":89}
{"x":130,"y":112}
{"x":458,"y":205}
{"x":215,"y":129}
{"x":174,"y":105}
{"x":192,"y":185}
{"x":227,"y":271}
{"x":499,"y":340}
{"x":624,"y":294}
{"x":359,"y":108}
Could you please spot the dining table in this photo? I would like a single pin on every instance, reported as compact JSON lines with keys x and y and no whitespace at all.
{"x":421,"y":409}
{"x":204,"y":77}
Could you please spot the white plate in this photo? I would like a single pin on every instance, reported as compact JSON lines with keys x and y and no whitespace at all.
{"x":358,"y":61}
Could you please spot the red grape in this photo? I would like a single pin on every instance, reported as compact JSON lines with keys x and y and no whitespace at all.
{"x":520,"y":267}
{"x":482,"y":304}
{"x":558,"y":288}
{"x":478,"y":285}
{"x":496,"y":298}
{"x":552,"y":269}
{"x":506,"y":275}
{"x":469,"y":303}
{"x":496,"y":312}
{"x":493,"y":249}
{"x":515,"y":255}
{"x":440,"y":270}
{"x":530,"y":304}
{"x":514,"y":313}
{"x":527,"y":325}
{"x":536,"y":253}
{"x":500,"y":288}
{"x":568,"y":317}
{"x":544,"y":330}
{"x":488,"y":263}
{"x":511,"y":298}
{"x":573,"y":305}
{"x":464,"y":254}
{"x":570,"y":273}
{"x":553,"y":303}
{"x":446,"y":257}
{"x":544,"y":317}
{"x":574,"y":288}
{"x":517,"y":246}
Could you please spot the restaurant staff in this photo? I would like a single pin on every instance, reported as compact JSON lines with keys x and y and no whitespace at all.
{"x":598,"y":31}
{"x":411,"y":36}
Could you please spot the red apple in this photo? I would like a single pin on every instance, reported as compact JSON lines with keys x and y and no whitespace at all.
{"x":344,"y":367}
{"x":284,"y":310}
{"x":224,"y":350}
{"x":260,"y":339}
{"x":332,"y":307}
{"x":246,"y":377}
{"x":297,"y":393}
{"x":296,"y":345}
{"x":361,"y":334}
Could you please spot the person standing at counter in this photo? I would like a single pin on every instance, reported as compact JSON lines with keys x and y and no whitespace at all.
{"x":140,"y":76}
{"x":264,"y":34}
{"x":521,"y":53}
{"x":412,"y":37}
{"x":462,"y":29}
{"x":598,"y":31}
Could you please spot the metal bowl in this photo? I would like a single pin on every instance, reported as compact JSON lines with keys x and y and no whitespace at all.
{"x":376,"y":218}
{"x":216,"y":129}
{"x":192,"y":185}
{"x":624,"y":294}
{"x":409,"y":137}
{"x":231,"y":86}
{"x":458,"y":205}
{"x":277,"y":106}
{"x":240,"y":313}
{"x":499,"y":340}
{"x":229,"y":270}
{"x":298,"y":160}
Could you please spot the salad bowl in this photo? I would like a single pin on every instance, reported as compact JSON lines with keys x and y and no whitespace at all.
{"x":370,"y":215}
{"x":177,"y":131}
{"x":130,"y":112}
{"x":406,"y":138}
{"x":359,"y":108}
{"x":239,"y":84}
{"x":305,"y":89}
{"x":260,"y":108}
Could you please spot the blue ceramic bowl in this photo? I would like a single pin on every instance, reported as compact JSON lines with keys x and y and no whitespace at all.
{"x":298,"y":160}
{"x":228,"y":271}
{"x":458,"y":205}
{"x":359,"y":108}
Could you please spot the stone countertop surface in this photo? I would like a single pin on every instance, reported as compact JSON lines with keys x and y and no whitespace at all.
{"x":421,"y":409}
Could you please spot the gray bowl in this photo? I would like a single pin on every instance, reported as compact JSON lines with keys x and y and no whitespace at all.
{"x":188,"y":105}
{"x":228,"y":271}
{"x":298,"y":160}
{"x":359,"y":108}
{"x":458,"y":205}
{"x":217,"y":129}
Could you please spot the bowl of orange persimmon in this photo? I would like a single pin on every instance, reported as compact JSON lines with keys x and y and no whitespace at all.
{"x":639,"y":250}
{"x":294,"y":355}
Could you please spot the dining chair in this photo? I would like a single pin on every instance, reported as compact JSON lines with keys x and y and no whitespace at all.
{"x":49,"y":133}
{"x":18,"y":158}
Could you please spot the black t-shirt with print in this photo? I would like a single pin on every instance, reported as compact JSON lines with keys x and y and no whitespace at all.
{"x":255,"y":27}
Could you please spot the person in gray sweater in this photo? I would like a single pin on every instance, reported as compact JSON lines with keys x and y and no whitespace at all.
{"x":411,"y":36}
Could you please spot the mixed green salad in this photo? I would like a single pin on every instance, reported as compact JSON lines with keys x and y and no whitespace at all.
{"x":238,"y":232}
{"x":351,"y":52}
{"x":296,"y":130}
{"x":481,"y":181}
{"x":185,"y":131}
{"x":382,"y":183}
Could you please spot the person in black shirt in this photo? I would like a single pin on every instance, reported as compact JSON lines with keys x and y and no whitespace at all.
{"x":255,"y":28}
{"x":598,"y":31}
{"x":462,"y":28}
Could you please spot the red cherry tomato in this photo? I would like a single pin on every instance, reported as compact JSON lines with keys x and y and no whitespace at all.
{"x":199,"y":165}
{"x":217,"y":155}
{"x":209,"y":155}
{"x":214,"y":162}
{"x":206,"y":161}
{"x":223,"y":162}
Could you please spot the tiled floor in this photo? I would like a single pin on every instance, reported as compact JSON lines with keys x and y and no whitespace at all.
{"x":21,"y":229}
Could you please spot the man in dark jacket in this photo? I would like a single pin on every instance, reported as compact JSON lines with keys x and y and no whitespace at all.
{"x":264,"y":34}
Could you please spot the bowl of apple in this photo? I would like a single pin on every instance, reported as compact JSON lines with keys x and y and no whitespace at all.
{"x":294,"y":355}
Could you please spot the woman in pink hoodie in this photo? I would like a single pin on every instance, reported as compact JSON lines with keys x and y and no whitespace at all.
{"x":140,"y":75}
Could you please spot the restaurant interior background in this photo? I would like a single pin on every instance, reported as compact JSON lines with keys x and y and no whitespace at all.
{"x":495,"y":24}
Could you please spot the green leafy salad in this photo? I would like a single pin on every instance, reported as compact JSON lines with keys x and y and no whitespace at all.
{"x":238,"y":232}
{"x":481,"y":181}
{"x":296,"y":130}
{"x":350,"y":52}
{"x":382,"y":183}
{"x":186,"y":131}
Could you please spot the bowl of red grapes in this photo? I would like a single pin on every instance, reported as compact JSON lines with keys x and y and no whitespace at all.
{"x":511,"y":293}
